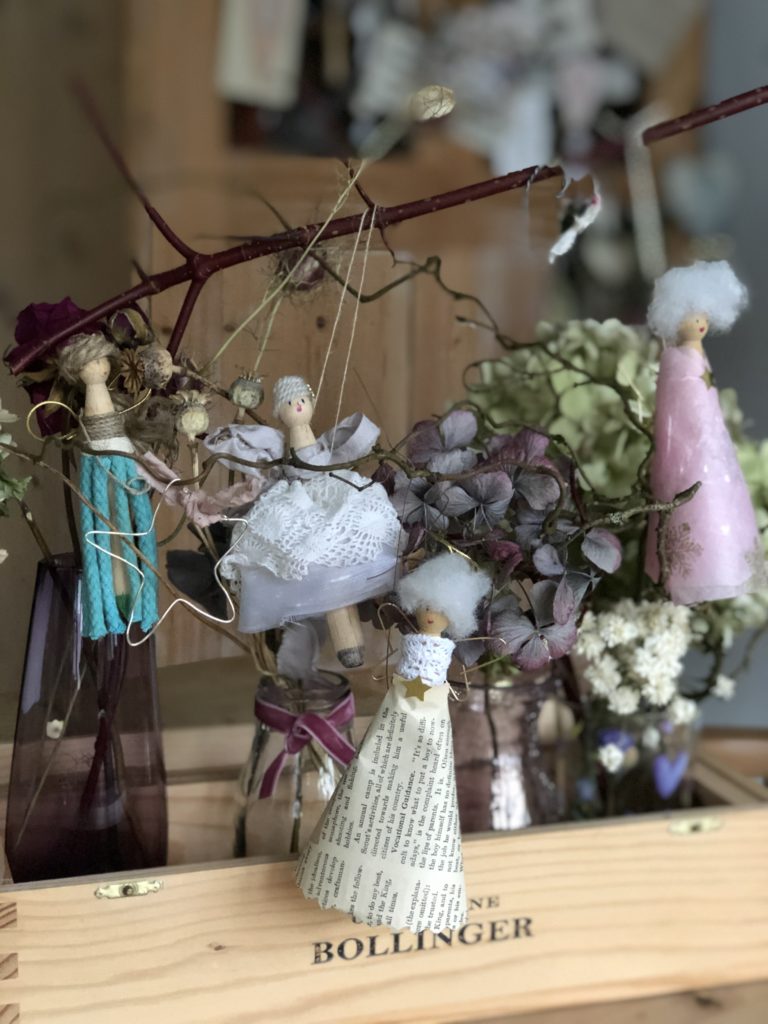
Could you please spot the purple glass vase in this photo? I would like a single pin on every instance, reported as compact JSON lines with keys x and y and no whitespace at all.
{"x":87,"y":789}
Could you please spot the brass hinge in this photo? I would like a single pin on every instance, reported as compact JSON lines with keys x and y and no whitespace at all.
{"x":133,"y":887}
{"x":692,"y":826}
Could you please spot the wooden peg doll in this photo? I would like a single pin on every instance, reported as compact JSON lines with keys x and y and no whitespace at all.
{"x":295,"y":406}
{"x":710,"y":545}
{"x":316,"y":543}
{"x":112,"y":591}
{"x":387,"y":849}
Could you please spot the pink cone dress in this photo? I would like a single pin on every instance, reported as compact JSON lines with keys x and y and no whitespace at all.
{"x":712,"y":546}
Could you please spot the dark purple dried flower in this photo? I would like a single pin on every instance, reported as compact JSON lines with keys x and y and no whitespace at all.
{"x":34,"y":323}
{"x":386,"y":476}
{"x":414,"y":501}
{"x":534,"y":639}
{"x":441,"y":446}
{"x":602,"y":549}
{"x":486,"y":496}
{"x":527,"y":448}
{"x":129,"y":327}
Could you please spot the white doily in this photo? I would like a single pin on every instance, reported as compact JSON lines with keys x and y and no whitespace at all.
{"x":425,"y":656}
{"x":323,"y":521}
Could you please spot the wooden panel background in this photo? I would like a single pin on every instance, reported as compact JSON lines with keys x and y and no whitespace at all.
{"x":409,"y":352}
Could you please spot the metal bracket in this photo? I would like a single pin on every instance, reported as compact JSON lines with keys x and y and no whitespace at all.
{"x":133,"y":887}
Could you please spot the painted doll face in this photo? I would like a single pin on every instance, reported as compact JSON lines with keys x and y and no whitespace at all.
{"x":97,"y":371}
{"x":693,"y":328}
{"x":296,"y":412}
{"x":431,"y":622}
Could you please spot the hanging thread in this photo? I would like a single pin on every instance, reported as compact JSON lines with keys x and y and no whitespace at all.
{"x":339,"y":308}
{"x":289,"y":276}
{"x":353,"y":329}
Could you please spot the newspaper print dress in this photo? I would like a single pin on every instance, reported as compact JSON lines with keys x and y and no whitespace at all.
{"x":387,"y":849}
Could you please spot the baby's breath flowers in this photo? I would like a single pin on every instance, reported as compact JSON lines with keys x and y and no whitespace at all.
{"x":634,"y":653}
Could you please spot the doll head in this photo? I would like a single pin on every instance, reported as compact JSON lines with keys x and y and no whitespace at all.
{"x":87,"y":359}
{"x":443,"y":594}
{"x":689,"y":301}
{"x":294,"y":401}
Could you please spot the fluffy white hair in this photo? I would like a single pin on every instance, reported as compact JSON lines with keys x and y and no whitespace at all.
{"x":449,"y":584}
{"x":709,"y":288}
{"x":288,"y":388}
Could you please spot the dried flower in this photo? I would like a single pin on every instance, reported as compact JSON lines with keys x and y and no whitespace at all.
{"x":302,"y":272}
{"x":247,"y":392}
{"x":623,"y":701}
{"x":724,"y":687}
{"x":35,"y":322}
{"x":129,"y":326}
{"x":130,"y":370}
{"x":156,"y":365}
{"x":442,"y":446}
{"x":681,"y":711}
{"x":192,"y":419}
{"x":431,"y":103}
{"x":611,"y":757}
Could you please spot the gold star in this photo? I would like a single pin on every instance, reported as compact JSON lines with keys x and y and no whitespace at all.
{"x":708,"y":378}
{"x":415,"y":688}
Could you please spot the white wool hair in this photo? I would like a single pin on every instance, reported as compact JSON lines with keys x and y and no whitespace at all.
{"x":288,"y":388}
{"x":449,"y":584}
{"x":709,"y":288}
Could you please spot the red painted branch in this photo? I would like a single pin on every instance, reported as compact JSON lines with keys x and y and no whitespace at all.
{"x":198,"y":267}
{"x":193,"y":293}
{"x":707,"y":115}
{"x":90,"y":111}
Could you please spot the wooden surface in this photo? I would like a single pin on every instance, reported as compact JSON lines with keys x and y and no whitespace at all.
{"x":743,"y":750}
{"x":622,"y":911}
{"x":742,"y":1004}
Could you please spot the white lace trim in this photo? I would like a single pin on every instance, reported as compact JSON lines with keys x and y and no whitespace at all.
{"x":322,"y":521}
{"x":425,"y":656}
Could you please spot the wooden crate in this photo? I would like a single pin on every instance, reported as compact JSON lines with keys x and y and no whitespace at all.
{"x":561,"y":917}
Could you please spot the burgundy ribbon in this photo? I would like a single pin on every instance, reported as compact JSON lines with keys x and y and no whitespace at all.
{"x":300,"y":729}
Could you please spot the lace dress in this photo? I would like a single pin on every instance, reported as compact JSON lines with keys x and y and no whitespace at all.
{"x":387,"y":849}
{"x":313,"y":541}
{"x":711,"y":543}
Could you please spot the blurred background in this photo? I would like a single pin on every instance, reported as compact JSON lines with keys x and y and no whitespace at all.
{"x":218,"y":105}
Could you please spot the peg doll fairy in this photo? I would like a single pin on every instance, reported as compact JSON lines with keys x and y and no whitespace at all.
{"x":112,"y":591}
{"x":710,"y":546}
{"x":387,"y":849}
{"x":315,"y":542}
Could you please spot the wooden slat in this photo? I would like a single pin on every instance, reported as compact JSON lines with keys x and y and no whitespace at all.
{"x":626,"y":910}
{"x":742,"y":1004}
{"x":744,"y":750}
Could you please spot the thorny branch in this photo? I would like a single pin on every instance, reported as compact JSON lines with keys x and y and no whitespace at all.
{"x":198,"y":267}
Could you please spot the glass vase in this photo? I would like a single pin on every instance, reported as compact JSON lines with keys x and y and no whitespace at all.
{"x":284,"y":790}
{"x":506,"y":777}
{"x":87,"y":787}
{"x":654,"y":771}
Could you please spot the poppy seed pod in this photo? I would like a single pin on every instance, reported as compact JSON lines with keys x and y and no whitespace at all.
{"x":192,"y":418}
{"x":156,"y":365}
{"x":247,"y":392}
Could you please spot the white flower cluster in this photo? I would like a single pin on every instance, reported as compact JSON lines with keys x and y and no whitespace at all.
{"x":635,"y":652}
{"x":611,"y":757}
{"x":724,"y":687}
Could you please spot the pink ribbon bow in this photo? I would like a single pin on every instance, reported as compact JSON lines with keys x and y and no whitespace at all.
{"x":300,"y":729}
